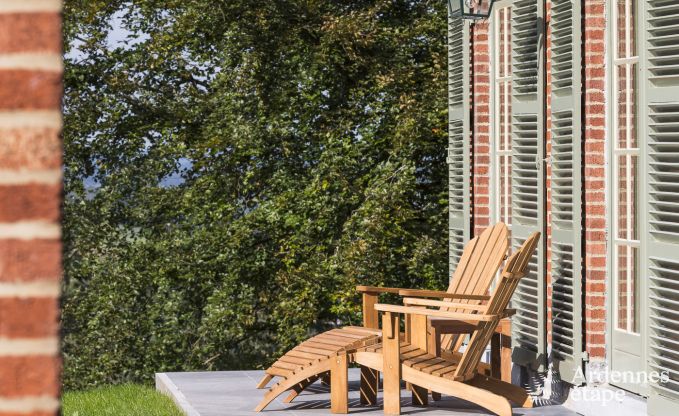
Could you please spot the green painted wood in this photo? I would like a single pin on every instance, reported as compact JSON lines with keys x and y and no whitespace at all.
{"x":659,"y":115}
{"x":566,"y":189}
{"x":529,"y":326}
{"x":459,"y":137}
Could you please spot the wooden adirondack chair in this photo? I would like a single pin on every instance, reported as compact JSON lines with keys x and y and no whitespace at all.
{"x":410,"y":361}
{"x":312,"y":359}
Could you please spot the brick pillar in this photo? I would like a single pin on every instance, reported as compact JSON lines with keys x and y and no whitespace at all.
{"x":595,"y":180}
{"x":481,"y":127}
{"x":30,"y":198}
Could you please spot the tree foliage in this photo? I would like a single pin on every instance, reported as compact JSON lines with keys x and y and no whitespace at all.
{"x":235,"y":167}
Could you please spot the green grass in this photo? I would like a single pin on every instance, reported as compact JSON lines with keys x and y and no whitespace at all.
{"x":124,"y":400}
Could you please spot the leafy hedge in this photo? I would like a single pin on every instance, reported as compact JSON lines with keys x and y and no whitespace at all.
{"x":236,"y":168}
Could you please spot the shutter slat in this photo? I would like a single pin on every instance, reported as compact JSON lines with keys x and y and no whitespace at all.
{"x":527,"y":183}
{"x":661,"y":151}
{"x":562,"y":37}
{"x":458,"y":138}
{"x":566,"y":187}
{"x":663,"y":314}
{"x":661,"y":158}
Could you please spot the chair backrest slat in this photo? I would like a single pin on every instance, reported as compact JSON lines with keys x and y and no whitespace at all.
{"x":479,"y":262}
{"x":516,"y":265}
{"x":475,"y":271}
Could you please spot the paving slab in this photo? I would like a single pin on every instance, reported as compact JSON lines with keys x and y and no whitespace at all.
{"x":233,"y":393}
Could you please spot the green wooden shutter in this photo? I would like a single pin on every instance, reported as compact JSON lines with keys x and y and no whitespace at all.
{"x":529,"y":333}
{"x":659,"y":57}
{"x":566,"y":187}
{"x":458,"y":137}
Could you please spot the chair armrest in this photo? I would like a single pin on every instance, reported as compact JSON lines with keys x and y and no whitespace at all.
{"x":382,"y":307}
{"x":443,"y":304}
{"x":454,"y":326}
{"x":378,"y":290}
{"x":507,"y":313}
{"x":440,"y":294}
{"x":370,"y":296}
{"x":444,"y":326}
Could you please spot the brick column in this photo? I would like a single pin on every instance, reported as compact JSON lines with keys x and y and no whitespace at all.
{"x":481,"y":128}
{"x":30,"y":198}
{"x":595,"y":180}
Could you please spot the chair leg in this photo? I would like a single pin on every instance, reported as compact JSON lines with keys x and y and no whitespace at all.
{"x":290,"y":382}
{"x":506,"y":358}
{"x":421,"y":336}
{"x":325,"y":380}
{"x":264,"y":381}
{"x":434,"y":340}
{"x":369,"y":386}
{"x":484,"y":398}
{"x":392,"y":364}
{"x":420,"y":396}
{"x":339,"y":384}
{"x":299,"y":388}
{"x":509,"y":391}
{"x":464,"y":390}
{"x":495,"y":356}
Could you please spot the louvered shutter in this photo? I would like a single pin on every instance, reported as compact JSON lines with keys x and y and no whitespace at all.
{"x":458,"y":136}
{"x":660,"y":73}
{"x":529,"y":331}
{"x":566,"y":187}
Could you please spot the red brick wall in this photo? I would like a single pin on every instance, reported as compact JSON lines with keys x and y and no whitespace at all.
{"x":481,"y":127}
{"x":595,"y":179}
{"x":30,"y":191}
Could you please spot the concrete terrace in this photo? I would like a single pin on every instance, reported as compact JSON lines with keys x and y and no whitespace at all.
{"x":233,"y":393}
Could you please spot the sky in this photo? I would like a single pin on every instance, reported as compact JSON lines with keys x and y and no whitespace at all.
{"x":116,"y":38}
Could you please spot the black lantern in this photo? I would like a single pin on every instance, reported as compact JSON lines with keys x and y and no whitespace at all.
{"x":471,"y":9}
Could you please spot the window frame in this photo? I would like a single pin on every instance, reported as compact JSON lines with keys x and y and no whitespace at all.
{"x":498,"y":212}
{"x":641,"y":338}
{"x":629,"y":63}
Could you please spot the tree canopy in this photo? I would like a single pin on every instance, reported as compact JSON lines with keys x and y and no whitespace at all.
{"x":235,"y":167}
